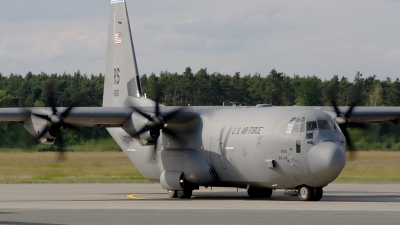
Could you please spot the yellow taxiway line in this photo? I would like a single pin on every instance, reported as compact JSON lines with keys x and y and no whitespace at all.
{"x":132,"y":196}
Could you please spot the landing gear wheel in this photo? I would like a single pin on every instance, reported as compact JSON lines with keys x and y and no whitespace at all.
{"x":318,"y":194}
{"x":172,"y":194}
{"x":186,"y":193}
{"x":254,"y":192}
{"x":306,"y":193}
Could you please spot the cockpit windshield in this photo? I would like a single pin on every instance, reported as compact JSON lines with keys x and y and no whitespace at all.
{"x":298,"y":125}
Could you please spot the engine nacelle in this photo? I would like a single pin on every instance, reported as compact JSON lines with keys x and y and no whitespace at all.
{"x":135,"y":124}
{"x":36,"y":125}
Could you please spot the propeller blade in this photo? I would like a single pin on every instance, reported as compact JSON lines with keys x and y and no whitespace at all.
{"x":338,"y":113}
{"x":173,"y":136}
{"x":42,"y":133}
{"x":172,"y":114}
{"x":348,"y":140}
{"x":45,"y":117}
{"x":170,"y":133}
{"x":145,"y":115}
{"x":144,"y":129}
{"x":348,"y":113}
{"x":50,"y":99}
{"x":157,"y":107}
{"x":61,"y":148}
{"x":66,"y":112}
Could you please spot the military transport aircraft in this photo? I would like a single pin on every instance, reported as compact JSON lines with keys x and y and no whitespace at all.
{"x":260,"y":148}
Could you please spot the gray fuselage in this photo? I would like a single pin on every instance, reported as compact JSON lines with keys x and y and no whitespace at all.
{"x":239,"y":142}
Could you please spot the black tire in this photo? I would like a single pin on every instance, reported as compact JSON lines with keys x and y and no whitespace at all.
{"x":172,"y":194}
{"x":318,"y":194}
{"x":186,"y":193}
{"x":254,"y":192}
{"x":306,"y":193}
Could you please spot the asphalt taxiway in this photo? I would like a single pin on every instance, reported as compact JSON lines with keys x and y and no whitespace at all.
{"x":48,"y":204}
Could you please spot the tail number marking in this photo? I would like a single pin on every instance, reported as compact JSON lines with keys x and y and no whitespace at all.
{"x":116,"y":76}
{"x":116,"y":80}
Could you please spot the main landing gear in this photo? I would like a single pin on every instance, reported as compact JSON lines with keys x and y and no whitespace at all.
{"x":307,"y":193}
{"x":255,"y":192}
{"x":185,"y":193}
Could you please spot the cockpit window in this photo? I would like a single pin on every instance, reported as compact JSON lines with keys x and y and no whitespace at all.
{"x":312,"y":125}
{"x":296,"y":128}
{"x":323,"y":125}
{"x":296,"y":125}
{"x":332,"y":125}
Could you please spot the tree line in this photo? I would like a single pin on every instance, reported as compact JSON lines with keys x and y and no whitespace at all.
{"x":200,"y":88}
{"x":205,"y":89}
{"x":276,"y":88}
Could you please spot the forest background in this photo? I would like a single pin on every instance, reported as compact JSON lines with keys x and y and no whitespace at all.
{"x":199,"y":88}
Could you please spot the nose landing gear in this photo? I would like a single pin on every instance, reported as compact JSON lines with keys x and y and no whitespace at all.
{"x":307,"y":193}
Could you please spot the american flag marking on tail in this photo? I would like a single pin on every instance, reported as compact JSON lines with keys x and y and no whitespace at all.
{"x":117,"y":38}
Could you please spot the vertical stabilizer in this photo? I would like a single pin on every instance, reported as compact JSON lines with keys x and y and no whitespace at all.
{"x":122,"y":76}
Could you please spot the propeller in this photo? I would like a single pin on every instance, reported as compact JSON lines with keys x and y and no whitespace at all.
{"x":56,"y":121}
{"x":343,"y":120}
{"x":157,"y":123}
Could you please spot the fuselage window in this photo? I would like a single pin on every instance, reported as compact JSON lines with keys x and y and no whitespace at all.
{"x":296,"y":125}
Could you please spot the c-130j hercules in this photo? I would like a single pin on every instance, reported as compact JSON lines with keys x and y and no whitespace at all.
{"x":260,"y":148}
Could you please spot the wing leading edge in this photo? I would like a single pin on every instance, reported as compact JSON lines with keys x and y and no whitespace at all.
{"x":369,"y":114}
{"x":79,"y":116}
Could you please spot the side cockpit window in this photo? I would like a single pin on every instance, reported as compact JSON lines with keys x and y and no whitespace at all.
{"x":312,"y":125}
{"x":326,"y":125}
{"x":296,"y":125}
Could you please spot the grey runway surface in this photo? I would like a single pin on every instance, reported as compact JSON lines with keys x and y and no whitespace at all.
{"x":48,"y":204}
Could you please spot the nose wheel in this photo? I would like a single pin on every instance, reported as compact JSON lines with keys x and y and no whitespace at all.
{"x":307,"y":193}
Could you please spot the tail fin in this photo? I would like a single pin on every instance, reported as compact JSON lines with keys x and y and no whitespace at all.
{"x":122,"y":76}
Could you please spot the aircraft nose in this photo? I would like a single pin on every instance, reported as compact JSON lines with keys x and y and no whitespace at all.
{"x":326,"y":160}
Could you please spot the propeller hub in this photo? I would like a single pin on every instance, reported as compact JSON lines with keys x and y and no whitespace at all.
{"x":341,"y":120}
{"x":56,"y":119}
{"x":156,"y":123}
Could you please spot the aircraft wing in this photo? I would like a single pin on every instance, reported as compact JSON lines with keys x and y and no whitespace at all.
{"x":368,"y":114}
{"x":88,"y":116}
{"x":79,"y":116}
